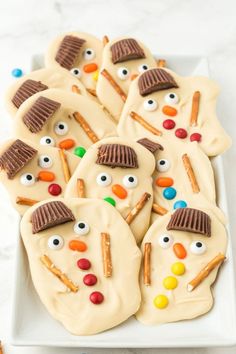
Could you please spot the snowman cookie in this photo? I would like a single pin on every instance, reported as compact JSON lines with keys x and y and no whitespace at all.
{"x":79,"y":53}
{"x":123,"y":59}
{"x":58,"y":118}
{"x":182,"y":253}
{"x":118,"y":171}
{"x":84,"y":263}
{"x":161,"y":103}
{"x":38,"y":81}
{"x":32,"y":172}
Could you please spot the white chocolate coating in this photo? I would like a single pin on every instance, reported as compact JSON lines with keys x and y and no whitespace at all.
{"x":121,"y":291}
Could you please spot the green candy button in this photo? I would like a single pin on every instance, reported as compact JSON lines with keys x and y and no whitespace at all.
{"x":79,"y":151}
{"x":110,"y":200}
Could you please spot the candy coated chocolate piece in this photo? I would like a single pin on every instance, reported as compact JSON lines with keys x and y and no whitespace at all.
{"x":54,"y":189}
{"x":180,"y":204}
{"x":169,"y":193}
{"x":96,"y":297}
{"x":80,"y":151}
{"x":84,"y":264}
{"x":17,"y":72}
{"x":90,"y":279}
{"x":196,"y":137}
{"x":181,"y":133}
{"x":110,"y":200}
{"x":168,"y":124}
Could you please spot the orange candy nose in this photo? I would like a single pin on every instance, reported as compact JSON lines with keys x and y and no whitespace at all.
{"x":164,"y":182}
{"x":133,"y":76}
{"x":179,"y":250}
{"x":76,"y":245}
{"x":119,"y":191}
{"x":66,"y":144}
{"x":46,"y":176}
{"x":169,"y":111}
{"x":90,"y":68}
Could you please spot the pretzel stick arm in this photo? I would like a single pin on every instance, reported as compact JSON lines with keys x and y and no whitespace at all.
{"x":159,"y":209}
{"x":138,"y":207}
{"x":189,"y":170}
{"x":86,"y":127}
{"x":105,"y":40}
{"x":91,"y":92}
{"x":161,"y":63}
{"x":147,"y":264}
{"x":80,"y":188}
{"x":75,"y":89}
{"x":145,"y":124}
{"x":114,"y":84}
{"x":26,"y":201}
{"x":65,"y":166}
{"x":195,"y":108}
{"x":106,"y":254}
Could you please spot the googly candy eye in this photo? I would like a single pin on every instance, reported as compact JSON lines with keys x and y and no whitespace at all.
{"x":130,"y":181}
{"x":47,"y":140}
{"x":81,"y":228}
{"x":163,"y":165}
{"x":45,"y":161}
{"x":150,"y":105}
{"x":61,"y":128}
{"x":123,"y":73}
{"x":143,"y":68}
{"x":55,"y":242}
{"x":103,"y":179}
{"x":198,"y":247}
{"x":171,"y":98}
{"x":76,"y":72}
{"x":89,"y":54}
{"x":165,"y":240}
{"x":27,"y":179}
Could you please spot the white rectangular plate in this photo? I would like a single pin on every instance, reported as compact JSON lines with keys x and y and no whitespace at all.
{"x":32,"y":325}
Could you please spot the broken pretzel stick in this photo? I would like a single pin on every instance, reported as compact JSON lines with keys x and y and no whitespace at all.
{"x":65,"y":166}
{"x":80,"y":188}
{"x":161,"y":63}
{"x":205,"y":272}
{"x":58,"y":273}
{"x":147,"y":263}
{"x":114,"y":84}
{"x":1,"y":348}
{"x":105,"y":40}
{"x":159,"y":209}
{"x":106,"y":254}
{"x":86,"y":127}
{"x":195,"y":108}
{"x":190,"y":173}
{"x":138,"y":207}
{"x":26,"y":201}
{"x":145,"y":124}
{"x":75,"y":89}
{"x":91,"y":92}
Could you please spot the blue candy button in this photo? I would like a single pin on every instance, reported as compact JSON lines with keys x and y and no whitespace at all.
{"x":169,"y":193}
{"x":180,"y":204}
{"x":17,"y":72}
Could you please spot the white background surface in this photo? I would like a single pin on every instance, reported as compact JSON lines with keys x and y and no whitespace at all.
{"x":205,"y":27}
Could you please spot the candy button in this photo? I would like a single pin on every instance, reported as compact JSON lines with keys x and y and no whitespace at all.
{"x":54,"y":189}
{"x":161,"y":301}
{"x":95,"y":76}
{"x":79,"y":151}
{"x":17,"y":72}
{"x":178,"y":268}
{"x":96,"y":297}
{"x":164,"y":182}
{"x":110,"y":200}
{"x":76,"y":245}
{"x":181,"y":133}
{"x":90,"y":279}
{"x":168,"y":124}
{"x":170,"y":283}
{"x":180,"y":204}
{"x":195,"y":137}
{"x":169,"y":193}
{"x":84,"y":264}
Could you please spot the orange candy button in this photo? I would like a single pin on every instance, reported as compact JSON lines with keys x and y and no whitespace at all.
{"x":119,"y":191}
{"x":169,"y":111}
{"x":90,"y":68}
{"x":46,"y":176}
{"x":179,"y":250}
{"x":164,"y":182}
{"x":66,"y":144}
{"x":76,"y":245}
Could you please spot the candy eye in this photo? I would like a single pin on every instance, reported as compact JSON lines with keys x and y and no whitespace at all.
{"x":47,"y":140}
{"x":165,"y":240}
{"x":143,"y":68}
{"x":81,"y":228}
{"x":171,"y":98}
{"x":55,"y":242}
{"x":150,"y":105}
{"x":76,"y":72}
{"x":61,"y":128}
{"x":27,"y":179}
{"x":89,"y":54}
{"x":198,"y":247}
{"x":163,"y":165}
{"x":123,"y":73}
{"x":103,"y":179}
{"x":130,"y":181}
{"x":45,"y":161}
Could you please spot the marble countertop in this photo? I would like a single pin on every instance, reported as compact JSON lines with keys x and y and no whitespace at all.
{"x":173,"y":27}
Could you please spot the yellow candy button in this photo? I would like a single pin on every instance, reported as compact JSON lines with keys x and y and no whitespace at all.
{"x":95,"y":76}
{"x":178,"y":268}
{"x":161,"y":301}
{"x":170,"y":283}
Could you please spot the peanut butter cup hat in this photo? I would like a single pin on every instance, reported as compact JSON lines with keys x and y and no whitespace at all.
{"x":117,"y":155}
{"x":69,"y":50}
{"x":155,"y":80}
{"x":26,"y":90}
{"x":126,"y":49}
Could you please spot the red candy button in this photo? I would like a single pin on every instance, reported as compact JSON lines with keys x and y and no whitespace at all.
{"x":90,"y":279}
{"x":195,"y":137}
{"x":168,"y":124}
{"x":84,"y":263}
{"x":54,"y":189}
{"x":96,"y":297}
{"x":181,"y":133}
